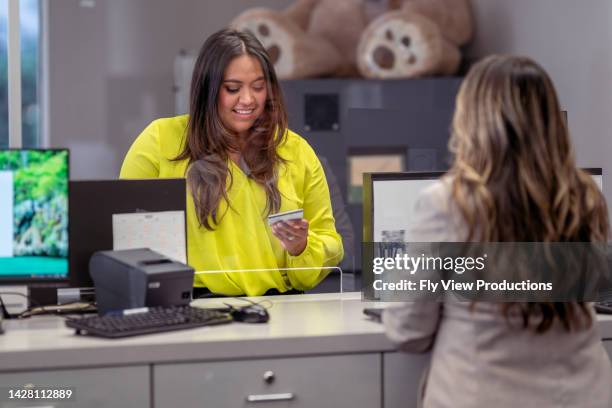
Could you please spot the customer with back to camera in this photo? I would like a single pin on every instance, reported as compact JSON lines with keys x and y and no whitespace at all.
{"x":514,"y":179}
{"x":242,"y":163}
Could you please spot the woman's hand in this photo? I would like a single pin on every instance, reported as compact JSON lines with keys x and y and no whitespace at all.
{"x":293,"y":235}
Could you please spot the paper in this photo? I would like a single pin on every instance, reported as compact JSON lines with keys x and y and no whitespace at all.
{"x":162,"y":232}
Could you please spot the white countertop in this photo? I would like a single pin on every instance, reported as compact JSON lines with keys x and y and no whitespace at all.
{"x":299,"y":325}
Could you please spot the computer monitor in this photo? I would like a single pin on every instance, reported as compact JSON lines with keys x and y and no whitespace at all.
{"x":389,"y":199}
{"x":33,"y":215}
{"x":92,"y":205}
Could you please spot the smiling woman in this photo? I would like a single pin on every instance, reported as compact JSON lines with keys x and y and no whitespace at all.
{"x":242,"y":164}
{"x":243,"y":95}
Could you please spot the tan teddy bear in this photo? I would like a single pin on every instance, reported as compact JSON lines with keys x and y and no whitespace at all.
{"x":312,"y":38}
{"x":421,"y":38}
{"x":317,"y":38}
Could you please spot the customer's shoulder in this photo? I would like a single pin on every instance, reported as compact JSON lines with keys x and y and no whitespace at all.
{"x":436,"y":217}
{"x":437,"y":195}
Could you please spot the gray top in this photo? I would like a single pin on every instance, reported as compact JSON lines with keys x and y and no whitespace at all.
{"x":478,"y":360}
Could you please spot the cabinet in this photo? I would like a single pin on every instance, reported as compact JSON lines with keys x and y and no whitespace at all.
{"x":316,"y":351}
{"x":124,"y":387}
{"x":337,"y":381}
{"x":402,"y":374}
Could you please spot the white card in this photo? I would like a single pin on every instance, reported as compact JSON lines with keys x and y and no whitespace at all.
{"x":286,"y":216}
{"x":162,"y":232}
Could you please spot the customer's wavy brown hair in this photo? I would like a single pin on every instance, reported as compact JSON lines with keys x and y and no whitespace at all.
{"x":209,"y":142}
{"x":514,"y":175}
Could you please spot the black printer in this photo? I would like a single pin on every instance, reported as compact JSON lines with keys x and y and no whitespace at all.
{"x":134,"y":278}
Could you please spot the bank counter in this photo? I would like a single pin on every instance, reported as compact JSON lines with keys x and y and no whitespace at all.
{"x":316,"y":351}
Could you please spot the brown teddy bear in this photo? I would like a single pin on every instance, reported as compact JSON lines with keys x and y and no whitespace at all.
{"x":316,"y":38}
{"x":306,"y":40}
{"x":421,"y":38}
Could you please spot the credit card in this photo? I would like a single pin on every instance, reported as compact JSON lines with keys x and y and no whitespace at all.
{"x":286,"y":216}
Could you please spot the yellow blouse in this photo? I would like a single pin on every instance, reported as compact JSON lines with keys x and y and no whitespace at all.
{"x":242,"y":239}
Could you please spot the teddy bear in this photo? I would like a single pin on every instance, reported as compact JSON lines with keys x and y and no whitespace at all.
{"x":421,"y":38}
{"x":319,"y":38}
{"x":306,"y":40}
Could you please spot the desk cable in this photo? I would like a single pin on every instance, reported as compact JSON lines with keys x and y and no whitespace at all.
{"x":38,"y":309}
{"x":264,"y":304}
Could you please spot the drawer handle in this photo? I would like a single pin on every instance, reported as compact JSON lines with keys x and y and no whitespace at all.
{"x":286,"y":396}
{"x":41,"y":406}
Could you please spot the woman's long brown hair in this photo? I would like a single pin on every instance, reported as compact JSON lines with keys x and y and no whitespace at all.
{"x":209,"y":142}
{"x":514,"y":176}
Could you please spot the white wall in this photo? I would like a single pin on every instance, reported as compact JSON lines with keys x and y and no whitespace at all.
{"x":572,"y":40}
{"x":111,"y":70}
{"x":110,"y":66}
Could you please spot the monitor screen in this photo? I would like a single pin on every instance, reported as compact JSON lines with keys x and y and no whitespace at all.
{"x":389,"y":199}
{"x":33,"y":215}
{"x":92,"y":205}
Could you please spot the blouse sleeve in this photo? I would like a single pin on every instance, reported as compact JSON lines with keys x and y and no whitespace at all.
{"x":324,"y":248}
{"x":143,"y":158}
{"x":412,"y":327}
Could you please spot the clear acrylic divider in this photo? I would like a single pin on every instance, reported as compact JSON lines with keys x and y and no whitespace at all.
{"x":309,"y":280}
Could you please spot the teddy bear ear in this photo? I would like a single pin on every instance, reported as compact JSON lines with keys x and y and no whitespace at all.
{"x":295,"y":54}
{"x":405,"y":45}
{"x":453,"y":17}
{"x":300,"y":12}
{"x":341,"y":23}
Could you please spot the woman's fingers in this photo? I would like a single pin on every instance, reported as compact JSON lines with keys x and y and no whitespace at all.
{"x":291,"y":230}
{"x":293,"y":235}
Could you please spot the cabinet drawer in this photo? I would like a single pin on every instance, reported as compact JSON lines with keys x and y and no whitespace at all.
{"x":402,"y":374}
{"x":331,"y":381}
{"x":124,"y":387}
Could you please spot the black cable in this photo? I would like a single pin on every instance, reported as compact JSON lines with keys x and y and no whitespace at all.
{"x":261,"y":303}
{"x":57,"y":310}
{"x":52,"y":310}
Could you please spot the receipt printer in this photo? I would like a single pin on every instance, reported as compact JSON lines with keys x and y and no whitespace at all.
{"x":135,"y":278}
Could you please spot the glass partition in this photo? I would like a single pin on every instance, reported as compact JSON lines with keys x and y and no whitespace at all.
{"x":274,"y":281}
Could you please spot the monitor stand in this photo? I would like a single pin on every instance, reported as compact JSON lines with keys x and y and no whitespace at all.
{"x":45,"y":295}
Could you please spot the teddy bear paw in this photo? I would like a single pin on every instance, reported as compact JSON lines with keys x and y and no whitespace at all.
{"x":401,"y":45}
{"x":271,"y":31}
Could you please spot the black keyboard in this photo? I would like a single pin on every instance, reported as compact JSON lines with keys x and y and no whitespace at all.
{"x":153,"y":320}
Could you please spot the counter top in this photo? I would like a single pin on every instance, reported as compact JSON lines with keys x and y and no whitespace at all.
{"x":299,"y":325}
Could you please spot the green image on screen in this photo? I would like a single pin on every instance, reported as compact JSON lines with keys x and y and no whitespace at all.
{"x":33,"y":213}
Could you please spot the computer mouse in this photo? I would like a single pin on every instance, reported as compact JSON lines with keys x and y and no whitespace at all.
{"x":251,"y":314}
